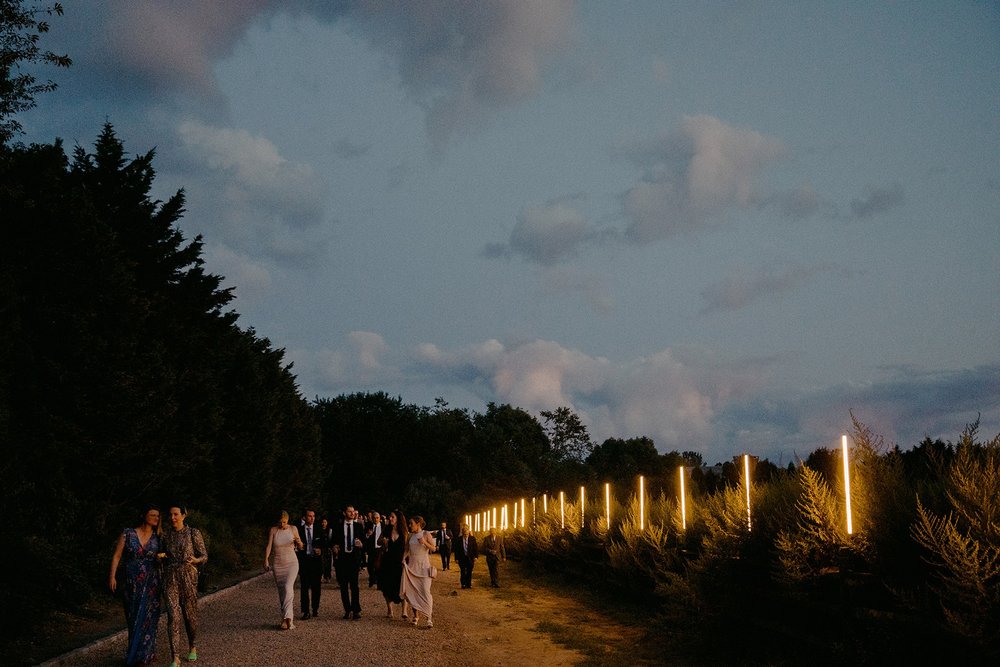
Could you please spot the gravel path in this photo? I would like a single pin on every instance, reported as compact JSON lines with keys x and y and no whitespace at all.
{"x":239,"y":627}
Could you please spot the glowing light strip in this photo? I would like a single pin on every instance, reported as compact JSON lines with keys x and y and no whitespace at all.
{"x":545,"y":503}
{"x":746,"y":482}
{"x":642,"y":503}
{"x":522,"y":512}
{"x":583,"y":503}
{"x":607,"y":503}
{"x":847,"y":484}
{"x":684,"y":518}
{"x":562,"y":508}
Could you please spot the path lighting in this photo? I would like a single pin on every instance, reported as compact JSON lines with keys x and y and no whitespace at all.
{"x":493,"y":523}
{"x":684,"y":517}
{"x":504,"y":524}
{"x":847,"y":484}
{"x":522,"y":512}
{"x":477,"y":522}
{"x":534,"y":511}
{"x":583,"y":502}
{"x":642,"y":503}
{"x":607,"y":503}
{"x":515,"y":514}
{"x":746,"y":482}
{"x":562,"y":509}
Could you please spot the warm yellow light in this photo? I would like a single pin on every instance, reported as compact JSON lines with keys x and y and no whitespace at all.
{"x":515,"y":515}
{"x":607,"y":503}
{"x":545,"y":503}
{"x":684,"y":518}
{"x":562,"y":509}
{"x":477,"y":521}
{"x":504,"y":522}
{"x":642,"y":503}
{"x":583,"y":502}
{"x":493,"y":522}
{"x":534,"y":511}
{"x":847,"y":484}
{"x":746,"y":483}
{"x":522,"y":512}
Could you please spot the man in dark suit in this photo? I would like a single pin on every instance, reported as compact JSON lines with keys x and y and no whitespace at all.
{"x":373,"y":547}
{"x":466,"y":553}
{"x":349,"y":552}
{"x":310,"y":564}
{"x":495,"y":553}
{"x":443,"y":539}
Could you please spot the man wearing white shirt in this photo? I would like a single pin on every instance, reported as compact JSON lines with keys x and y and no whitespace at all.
{"x":349,"y":551}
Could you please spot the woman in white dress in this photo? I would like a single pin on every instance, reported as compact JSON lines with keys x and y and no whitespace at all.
{"x":416,"y":585}
{"x":282,"y":542}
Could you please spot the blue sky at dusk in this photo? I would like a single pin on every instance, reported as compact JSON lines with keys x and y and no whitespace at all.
{"x":720,"y":225}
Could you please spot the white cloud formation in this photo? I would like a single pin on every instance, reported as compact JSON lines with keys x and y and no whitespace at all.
{"x":268,"y":204}
{"x":693,"y":176}
{"x":547,"y":233}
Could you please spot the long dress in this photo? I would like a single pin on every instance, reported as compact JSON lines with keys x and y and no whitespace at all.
{"x":416,"y":586}
{"x":390,"y":573}
{"x":142,"y":597}
{"x":286,"y":568}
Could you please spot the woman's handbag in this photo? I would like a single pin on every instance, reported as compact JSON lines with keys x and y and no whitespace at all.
{"x":432,"y":572}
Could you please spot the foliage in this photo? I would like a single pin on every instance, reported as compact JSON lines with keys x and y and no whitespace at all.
{"x":21,"y":29}
{"x":811,"y":548}
{"x":962,"y":547}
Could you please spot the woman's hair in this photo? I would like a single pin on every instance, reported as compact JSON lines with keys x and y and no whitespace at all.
{"x":146,"y":509}
{"x":283,"y":515}
{"x":401,"y":526}
{"x":419,"y":520}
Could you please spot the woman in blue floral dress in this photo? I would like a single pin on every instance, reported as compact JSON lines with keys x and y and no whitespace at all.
{"x":141,"y":548}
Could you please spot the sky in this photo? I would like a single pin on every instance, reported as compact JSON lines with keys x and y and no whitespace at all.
{"x":724,"y":226}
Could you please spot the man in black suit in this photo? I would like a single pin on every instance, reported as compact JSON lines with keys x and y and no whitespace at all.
{"x":310,"y":564}
{"x":466,"y":553}
{"x":443,"y":539}
{"x":349,"y":552}
{"x":373,"y":547}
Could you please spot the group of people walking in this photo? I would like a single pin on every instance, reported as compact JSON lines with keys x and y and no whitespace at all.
{"x":395,"y":553}
{"x":160,"y":566}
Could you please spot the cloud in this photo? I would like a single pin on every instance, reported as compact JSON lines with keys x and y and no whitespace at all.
{"x":876,"y":201}
{"x":349,"y":150}
{"x":799,"y":204}
{"x":264,"y":202}
{"x":360,"y":365}
{"x":458,"y":60}
{"x":173,"y":45}
{"x":693,"y":176}
{"x":737,"y":292}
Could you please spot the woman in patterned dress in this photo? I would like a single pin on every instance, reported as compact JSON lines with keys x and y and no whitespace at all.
{"x":185,"y":549}
{"x":141,"y":588}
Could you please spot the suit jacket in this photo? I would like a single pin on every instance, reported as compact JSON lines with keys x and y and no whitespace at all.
{"x":443,"y":539}
{"x":355,"y":556}
{"x":459,"y":551}
{"x":493,"y":545}
{"x":378,"y":531}
{"x":318,"y":542}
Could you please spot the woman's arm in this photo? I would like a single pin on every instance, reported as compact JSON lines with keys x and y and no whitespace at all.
{"x":267,"y":551}
{"x":115,"y":559}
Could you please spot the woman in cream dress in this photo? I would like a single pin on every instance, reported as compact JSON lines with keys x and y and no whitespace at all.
{"x":416,"y":586}
{"x":282,"y":542}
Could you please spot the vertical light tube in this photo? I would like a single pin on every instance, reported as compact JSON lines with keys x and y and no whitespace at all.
{"x":746,"y":482}
{"x":493,"y":523}
{"x":478,"y":514}
{"x":847,"y":485}
{"x":534,"y":510}
{"x":642,"y":503}
{"x":684,"y":515}
{"x":522,"y":512}
{"x":607,"y":502}
{"x":562,"y":509}
{"x":583,"y":503}
{"x":515,"y":514}
{"x":545,"y":503}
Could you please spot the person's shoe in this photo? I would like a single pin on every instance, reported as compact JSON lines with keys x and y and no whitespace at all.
{"x":193,"y":656}
{"x":357,"y":616}
{"x":291,"y":625}
{"x":347,"y":615}
{"x":285,"y":622}
{"x":430,"y":623}
{"x":315,"y":613}
{"x":174,"y":664}
{"x":305,"y":616}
